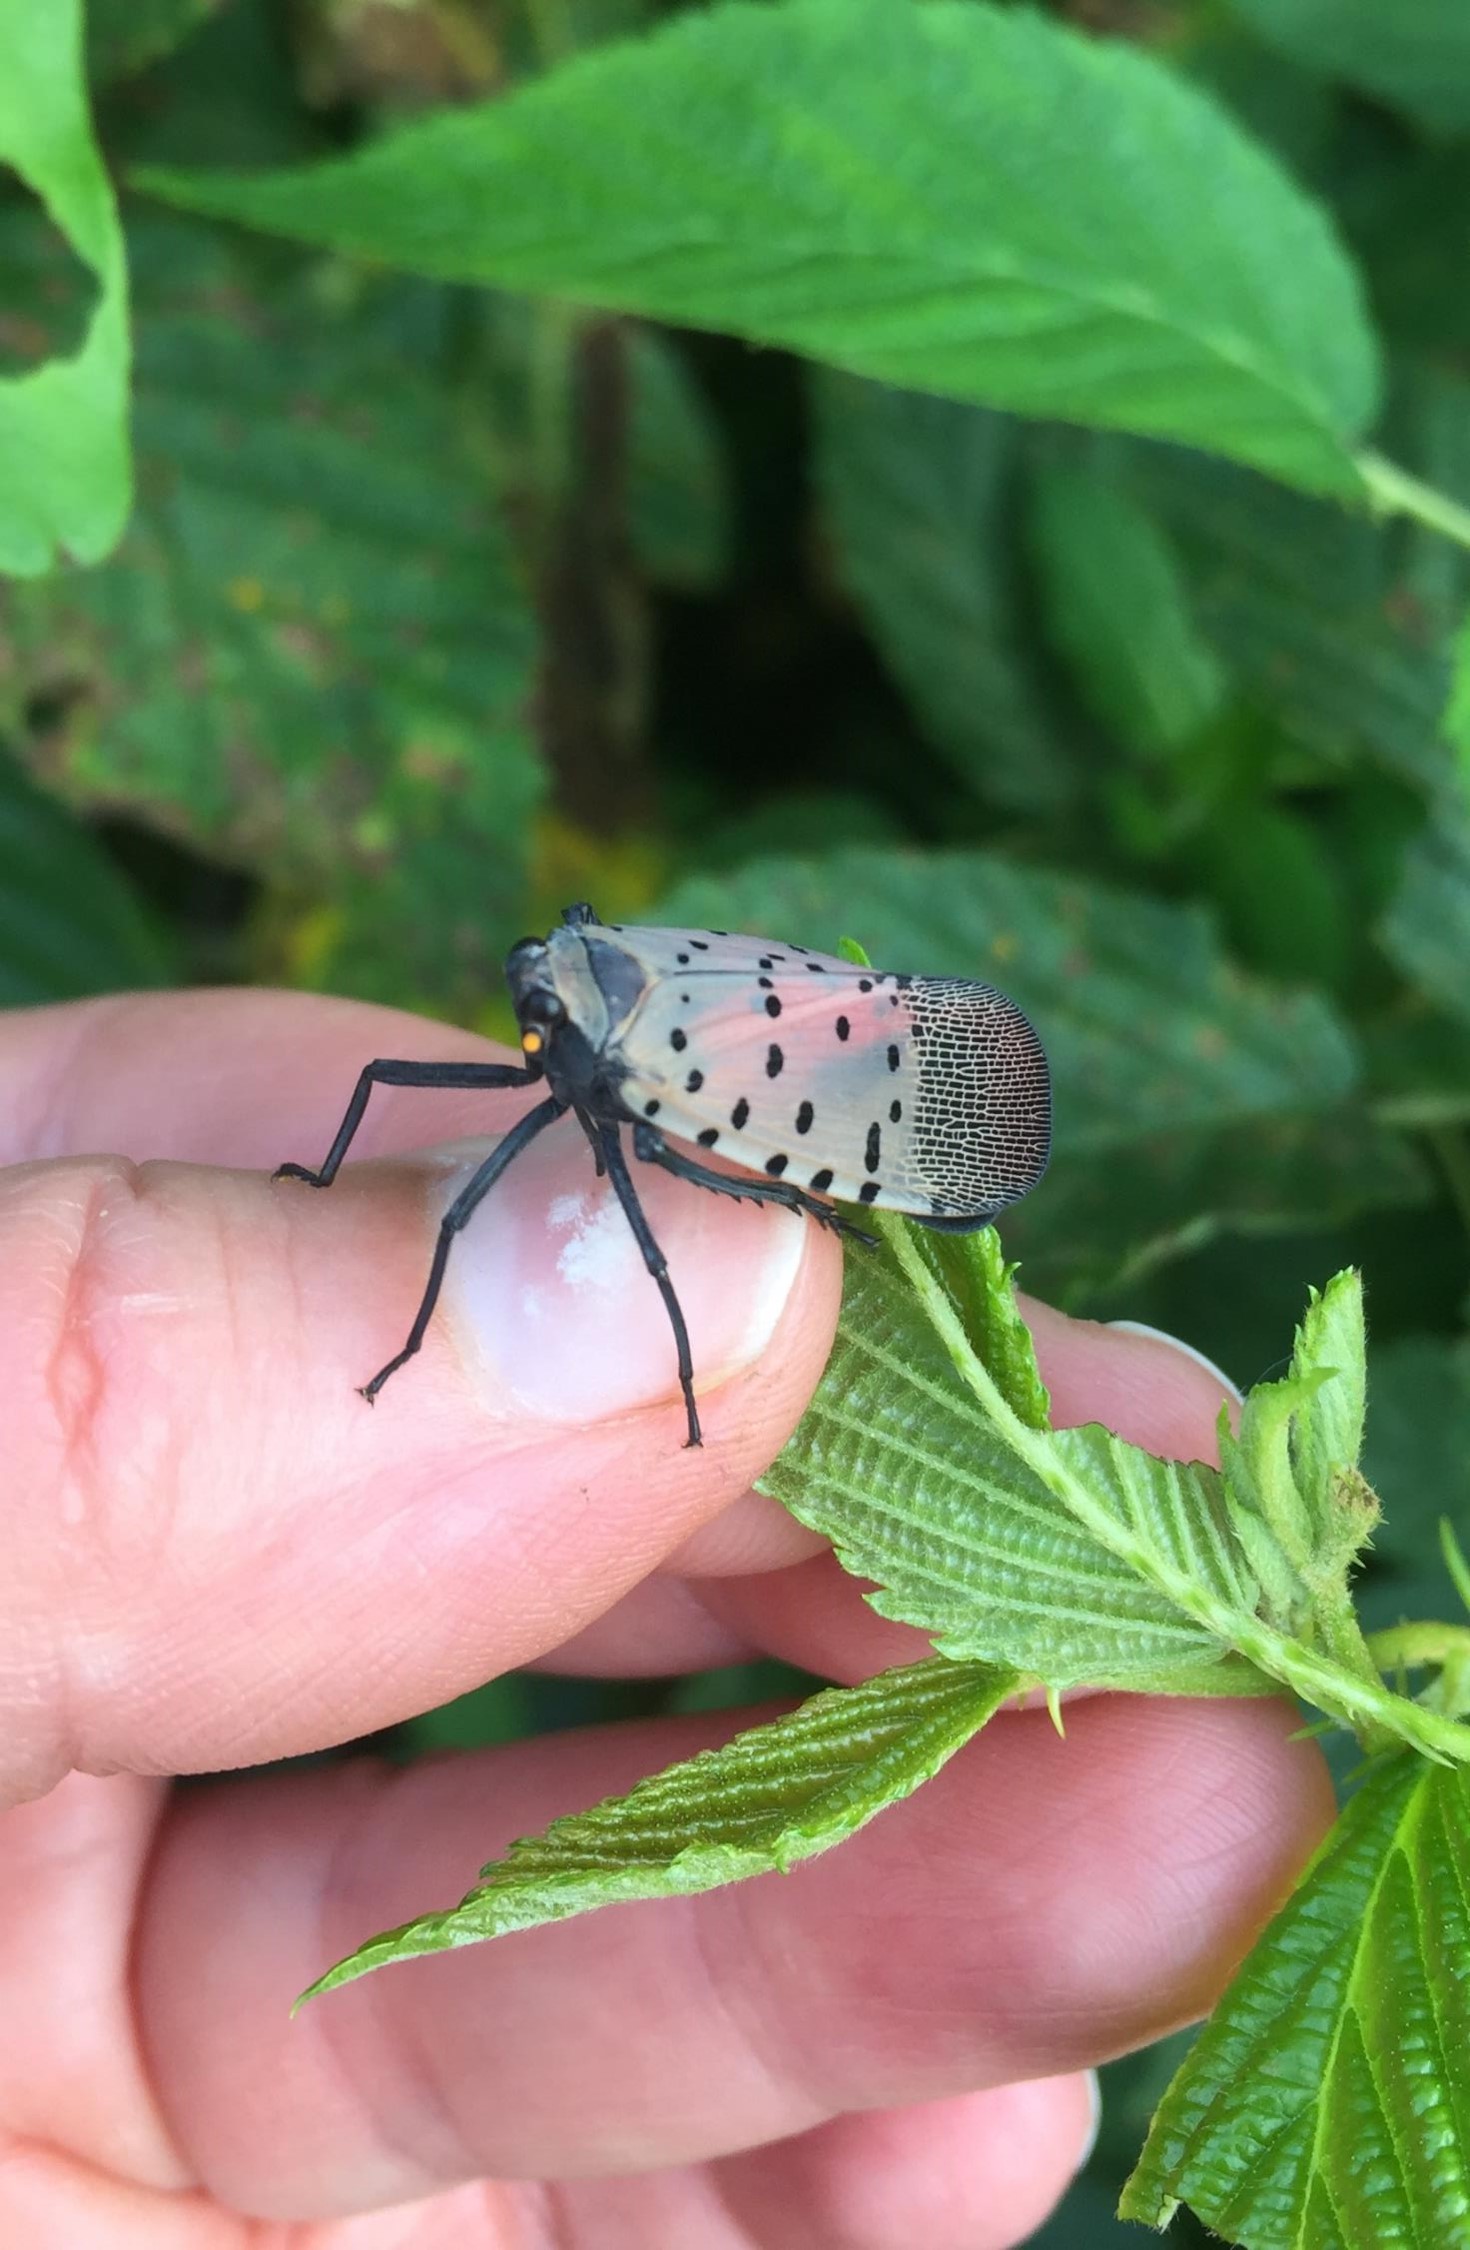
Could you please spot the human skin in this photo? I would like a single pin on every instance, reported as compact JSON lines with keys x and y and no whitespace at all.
{"x":217,"y":1555}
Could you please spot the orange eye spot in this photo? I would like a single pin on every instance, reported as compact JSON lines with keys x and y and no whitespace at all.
{"x":531,"y":1042}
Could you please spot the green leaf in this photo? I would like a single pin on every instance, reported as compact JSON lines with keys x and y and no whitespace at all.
{"x":313,"y":654}
{"x":69,"y":924}
{"x":960,"y":198}
{"x":679,"y":502}
{"x":1285,"y":890}
{"x":1121,"y":613}
{"x":1417,"y":1449}
{"x":1306,"y":608}
{"x":1414,"y":53}
{"x":897,"y":1465}
{"x":775,"y":1796}
{"x":1097,"y":1228}
{"x":1297,"y":1502}
{"x":1068,"y":1554}
{"x":1327,"y":1426}
{"x":1409,"y":222}
{"x":972,"y":1270}
{"x":1326,"y":2104}
{"x":1148,"y":1028}
{"x":125,"y":35}
{"x":64,"y":469}
{"x":1426,"y":931}
{"x":1457,"y":715}
{"x":918,"y":495}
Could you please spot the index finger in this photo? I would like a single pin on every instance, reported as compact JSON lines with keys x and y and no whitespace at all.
{"x":208,"y":1531}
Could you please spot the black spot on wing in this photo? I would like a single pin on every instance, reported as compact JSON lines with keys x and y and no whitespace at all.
{"x":774,"y":1060}
{"x":821,"y":1181}
{"x":869,"y":1192}
{"x":776,"y":1165}
{"x":894,"y":1058}
{"x":842,"y":1028}
{"x":678,"y":1040}
{"x":709,"y":1136}
{"x":650,"y":1109}
{"x":739,"y":1114}
{"x":773,"y":1005}
{"x":874,"y":1147}
{"x":804,"y":1118}
{"x":895,"y":1112}
{"x":694,"y":1081}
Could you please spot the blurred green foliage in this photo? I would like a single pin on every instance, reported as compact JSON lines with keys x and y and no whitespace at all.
{"x":440,"y":604}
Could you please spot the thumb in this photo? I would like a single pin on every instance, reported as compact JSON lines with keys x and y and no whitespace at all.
{"x":208,"y":1531}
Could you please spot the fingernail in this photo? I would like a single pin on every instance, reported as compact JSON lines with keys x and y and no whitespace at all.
{"x":1094,"y":2084}
{"x":1161,"y":1336}
{"x":553,"y":1305}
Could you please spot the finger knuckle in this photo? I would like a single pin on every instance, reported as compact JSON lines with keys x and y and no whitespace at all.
{"x":95,"y":1248}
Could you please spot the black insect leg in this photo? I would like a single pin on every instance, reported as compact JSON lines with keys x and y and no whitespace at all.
{"x":617,"y":1168}
{"x":460,"y":1211}
{"x":486,"y":1076}
{"x":594,"y":1142}
{"x":653,"y":1149}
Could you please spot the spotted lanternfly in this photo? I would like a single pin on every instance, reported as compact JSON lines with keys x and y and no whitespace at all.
{"x":927,"y":1095}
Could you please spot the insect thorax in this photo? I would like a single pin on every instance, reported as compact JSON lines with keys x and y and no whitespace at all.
{"x":581,"y":985}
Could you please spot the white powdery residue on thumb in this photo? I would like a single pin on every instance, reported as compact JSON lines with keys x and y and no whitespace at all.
{"x":599,"y":1248}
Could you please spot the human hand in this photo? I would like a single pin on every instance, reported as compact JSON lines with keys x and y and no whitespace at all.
{"x":217,"y":1555}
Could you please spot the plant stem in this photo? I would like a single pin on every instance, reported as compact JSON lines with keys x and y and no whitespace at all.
{"x":1393,"y":492}
{"x":1362,"y":1702}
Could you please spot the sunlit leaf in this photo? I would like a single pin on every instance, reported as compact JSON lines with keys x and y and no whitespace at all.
{"x":64,"y":469}
{"x":960,"y":198}
{"x":896,"y":1464}
{"x":772,"y":1797}
{"x":1326,"y":2104}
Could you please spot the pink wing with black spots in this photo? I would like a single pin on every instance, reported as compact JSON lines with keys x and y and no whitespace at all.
{"x":928,"y":1095}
